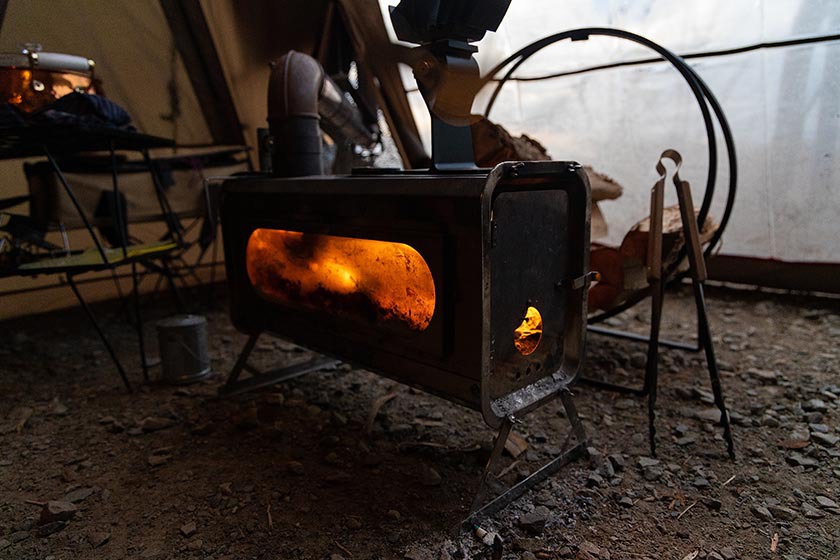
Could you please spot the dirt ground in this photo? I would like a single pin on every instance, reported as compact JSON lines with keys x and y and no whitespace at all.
{"x":302,"y":471}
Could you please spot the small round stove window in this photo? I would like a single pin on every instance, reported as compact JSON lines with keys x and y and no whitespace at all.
{"x":528,"y":334}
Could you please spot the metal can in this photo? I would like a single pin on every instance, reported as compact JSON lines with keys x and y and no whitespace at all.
{"x":184,"y":355}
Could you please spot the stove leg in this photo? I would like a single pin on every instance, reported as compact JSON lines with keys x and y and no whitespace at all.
{"x":260,"y":379}
{"x":241,"y":362}
{"x":517,"y":490}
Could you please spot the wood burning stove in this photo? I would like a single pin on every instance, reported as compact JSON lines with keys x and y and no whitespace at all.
{"x":469,"y":286}
{"x":468,"y":283}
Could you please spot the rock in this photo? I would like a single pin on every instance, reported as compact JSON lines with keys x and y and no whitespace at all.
{"x":430,"y":477}
{"x":18,"y":536}
{"x":728,"y":553}
{"x":98,"y":538}
{"x":714,"y":556}
{"x":68,"y":475}
{"x":595,"y":456}
{"x":618,"y":461}
{"x":650,"y":468}
{"x":800,"y":432}
{"x":49,"y":528}
{"x":18,"y":418}
{"x":155,"y":423}
{"x":819,"y":428}
{"x":799,"y":460}
{"x":158,"y":460}
{"x":713,"y":504}
{"x":57,"y":408}
{"x":4,"y":543}
{"x":78,"y":495}
{"x":591,"y":551}
{"x":813,"y":417}
{"x":763,"y":375}
{"x":685,"y":440}
{"x":700,"y":482}
{"x":56,"y":510}
{"x":647,"y":462}
{"x":399,"y":430}
{"x":534,"y":522}
{"x":626,"y":501}
{"x":418,"y":553}
{"x":814,"y":405}
{"x":703,"y":395}
{"x":195,"y":544}
{"x":295,"y":467}
{"x":811,"y":512}
{"x":762,"y":513}
{"x":652,"y":473}
{"x":783,"y":513}
{"x":638,"y":360}
{"x":394,"y":514}
{"x":188,"y":529}
{"x":826,"y":502}
{"x":353,"y":523}
{"x":594,"y":480}
{"x":826,"y":440}
{"x":710,"y":415}
{"x":117,"y":428}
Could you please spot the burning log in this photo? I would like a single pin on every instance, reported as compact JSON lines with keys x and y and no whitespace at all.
{"x":378,"y":281}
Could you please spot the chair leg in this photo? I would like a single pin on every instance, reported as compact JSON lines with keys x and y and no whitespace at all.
{"x":138,"y":317}
{"x":173,"y":286}
{"x":99,"y":331}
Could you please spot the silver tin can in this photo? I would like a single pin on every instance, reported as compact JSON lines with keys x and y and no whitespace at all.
{"x":184,"y":355}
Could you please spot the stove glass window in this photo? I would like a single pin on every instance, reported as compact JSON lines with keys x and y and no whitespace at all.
{"x":374,"y":281}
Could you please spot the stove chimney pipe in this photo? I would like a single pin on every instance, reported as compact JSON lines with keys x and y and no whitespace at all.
{"x":293,"y":90}
{"x":301,"y":100}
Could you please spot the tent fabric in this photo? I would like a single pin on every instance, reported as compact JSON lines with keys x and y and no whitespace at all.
{"x":134,"y":53}
{"x":783,"y":105}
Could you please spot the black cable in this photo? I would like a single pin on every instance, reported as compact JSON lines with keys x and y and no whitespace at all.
{"x":696,"y":84}
{"x":689,"y":56}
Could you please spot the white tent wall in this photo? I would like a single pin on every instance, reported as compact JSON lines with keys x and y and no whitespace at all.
{"x":783,"y":105}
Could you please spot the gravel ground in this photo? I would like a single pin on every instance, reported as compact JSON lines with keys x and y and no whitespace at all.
{"x":316,"y":468}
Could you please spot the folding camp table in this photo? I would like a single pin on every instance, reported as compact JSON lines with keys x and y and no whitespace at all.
{"x":56,"y":140}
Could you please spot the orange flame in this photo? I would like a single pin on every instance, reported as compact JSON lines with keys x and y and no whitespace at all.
{"x":378,"y":281}
{"x":528,"y":334}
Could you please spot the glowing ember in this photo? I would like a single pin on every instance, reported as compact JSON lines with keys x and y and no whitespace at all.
{"x":378,"y":281}
{"x":527,"y":335}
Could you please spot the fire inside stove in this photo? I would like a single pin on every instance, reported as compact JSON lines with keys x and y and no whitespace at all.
{"x":377,"y":281}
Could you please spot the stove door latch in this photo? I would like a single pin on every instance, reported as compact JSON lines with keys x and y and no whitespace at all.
{"x":579,"y":282}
